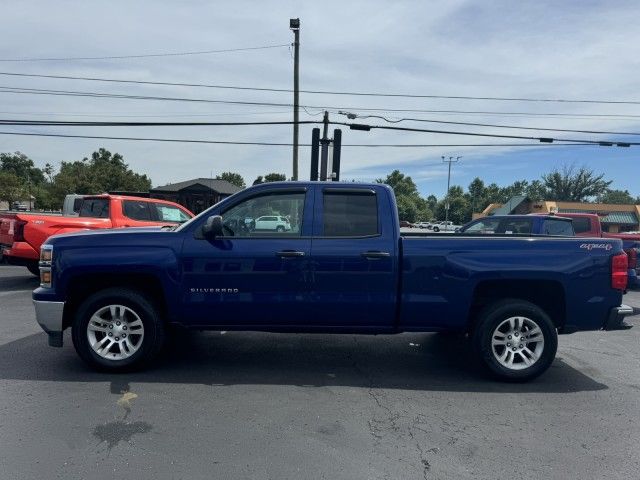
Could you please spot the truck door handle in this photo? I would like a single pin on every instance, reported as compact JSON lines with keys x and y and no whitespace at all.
{"x":289,"y":254}
{"x":374,"y":255}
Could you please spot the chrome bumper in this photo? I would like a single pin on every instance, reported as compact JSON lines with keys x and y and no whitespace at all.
{"x":616,"y":318}
{"x":49,"y":317}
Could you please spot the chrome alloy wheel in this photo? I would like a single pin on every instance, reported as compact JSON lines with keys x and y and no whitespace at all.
{"x":517,"y":343}
{"x":115,"y":332}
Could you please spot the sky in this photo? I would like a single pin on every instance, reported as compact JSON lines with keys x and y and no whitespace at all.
{"x":529,"y":49}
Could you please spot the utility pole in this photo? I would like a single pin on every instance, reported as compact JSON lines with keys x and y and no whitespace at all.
{"x":446,"y":201}
{"x":294,"y":24}
{"x":324,"y":147}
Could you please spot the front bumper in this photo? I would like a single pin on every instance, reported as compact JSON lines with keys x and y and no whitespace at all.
{"x":616,"y":318}
{"x":49,"y":316}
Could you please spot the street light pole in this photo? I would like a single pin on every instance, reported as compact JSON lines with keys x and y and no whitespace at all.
{"x":294,"y":25}
{"x":446,"y":201}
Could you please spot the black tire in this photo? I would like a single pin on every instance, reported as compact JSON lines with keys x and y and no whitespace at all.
{"x":279,"y":228}
{"x":436,"y":229}
{"x":154,"y":329}
{"x":492,"y":317}
{"x":34,"y":268}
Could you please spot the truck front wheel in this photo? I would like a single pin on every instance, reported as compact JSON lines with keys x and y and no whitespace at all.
{"x":117,"y":329}
{"x":515,"y":340}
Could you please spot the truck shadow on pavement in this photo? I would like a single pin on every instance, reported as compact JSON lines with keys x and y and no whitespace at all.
{"x":18,"y":282}
{"x":428,"y":362}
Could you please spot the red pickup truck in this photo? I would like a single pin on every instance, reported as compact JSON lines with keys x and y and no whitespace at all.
{"x":22,"y":234}
{"x":588,"y":225}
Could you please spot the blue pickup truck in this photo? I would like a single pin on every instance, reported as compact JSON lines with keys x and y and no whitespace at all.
{"x":341,"y":267}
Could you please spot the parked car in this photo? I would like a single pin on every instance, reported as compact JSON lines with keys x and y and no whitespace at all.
{"x":274,"y":223}
{"x":19,"y":207}
{"x":445,"y":226}
{"x":405,"y":224}
{"x":21,"y":235}
{"x":346,"y":269}
{"x":423,"y":225}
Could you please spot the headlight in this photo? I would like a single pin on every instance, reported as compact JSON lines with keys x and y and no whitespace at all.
{"x":45,"y":277}
{"x":46,"y":254}
{"x":46,"y":259}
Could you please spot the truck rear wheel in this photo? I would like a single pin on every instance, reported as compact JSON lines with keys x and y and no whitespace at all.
{"x":117,"y":329}
{"x":515,"y":340}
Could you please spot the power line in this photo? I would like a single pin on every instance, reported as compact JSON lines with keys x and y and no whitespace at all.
{"x":328,"y":92}
{"x":234,"y":142}
{"x":144,"y":115}
{"x":67,"y":123}
{"x":165,"y":54}
{"x":351,"y":125}
{"x":489,"y":135}
{"x":37,"y":91}
{"x":494,"y":125}
{"x":71,"y":93}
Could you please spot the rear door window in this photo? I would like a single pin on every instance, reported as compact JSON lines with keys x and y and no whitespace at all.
{"x":95,"y":208}
{"x":350,"y":214}
{"x":581,"y":225}
{"x":137,"y":210}
{"x":558,"y":227}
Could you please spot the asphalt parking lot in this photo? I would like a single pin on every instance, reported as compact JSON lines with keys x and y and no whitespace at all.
{"x":255,"y":405}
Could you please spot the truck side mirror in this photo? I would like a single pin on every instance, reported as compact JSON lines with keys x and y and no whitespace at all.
{"x":212,"y":228}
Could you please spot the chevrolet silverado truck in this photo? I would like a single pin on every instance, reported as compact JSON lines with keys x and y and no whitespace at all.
{"x":22,"y":234}
{"x":343,"y":267}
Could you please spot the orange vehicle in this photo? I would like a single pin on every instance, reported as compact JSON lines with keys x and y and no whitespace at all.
{"x":22,"y":233}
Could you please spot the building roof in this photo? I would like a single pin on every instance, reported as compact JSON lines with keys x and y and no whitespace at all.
{"x":619,"y":218}
{"x":510,"y":206}
{"x":220,"y":186}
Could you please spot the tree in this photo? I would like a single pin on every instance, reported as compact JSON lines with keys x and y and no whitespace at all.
{"x":517,"y":188}
{"x":22,"y":167}
{"x":459,"y":210}
{"x":275,"y":177}
{"x":102,"y":172}
{"x":407,"y":208}
{"x":574,"y":185}
{"x":432,"y":201}
{"x":411,"y":206}
{"x":476,"y":194}
{"x":233,"y":178}
{"x":617,"y":196}
{"x":12,"y":187}
{"x":401,"y":184}
{"x":270,"y":177}
{"x":536,"y":191}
